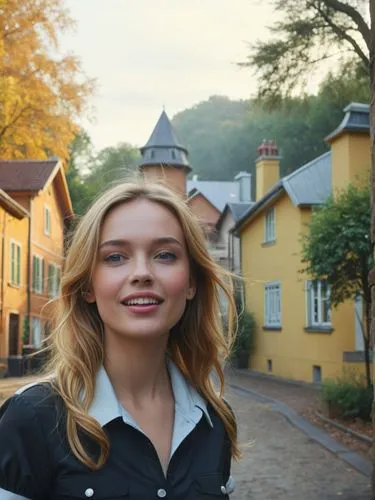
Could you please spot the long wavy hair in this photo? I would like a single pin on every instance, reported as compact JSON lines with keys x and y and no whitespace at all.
{"x":76,"y":341}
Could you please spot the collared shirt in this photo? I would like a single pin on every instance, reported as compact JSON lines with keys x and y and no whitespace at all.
{"x":130,"y":448}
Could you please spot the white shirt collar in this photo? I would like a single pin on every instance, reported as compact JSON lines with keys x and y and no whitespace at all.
{"x":188,"y":402}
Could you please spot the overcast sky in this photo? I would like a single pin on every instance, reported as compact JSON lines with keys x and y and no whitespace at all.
{"x":146,"y":54}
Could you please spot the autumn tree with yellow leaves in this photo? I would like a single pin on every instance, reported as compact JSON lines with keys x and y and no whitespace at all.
{"x":43,"y":93}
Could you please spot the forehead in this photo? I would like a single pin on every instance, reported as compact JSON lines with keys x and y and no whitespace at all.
{"x":140,"y":218}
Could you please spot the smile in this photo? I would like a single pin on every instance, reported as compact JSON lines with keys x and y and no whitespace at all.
{"x":141,"y":301}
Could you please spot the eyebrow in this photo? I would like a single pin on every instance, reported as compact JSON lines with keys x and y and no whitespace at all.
{"x":158,"y":241}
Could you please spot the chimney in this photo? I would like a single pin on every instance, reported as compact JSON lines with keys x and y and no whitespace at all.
{"x":351,"y":147}
{"x":267,"y":168}
{"x":244,"y":181}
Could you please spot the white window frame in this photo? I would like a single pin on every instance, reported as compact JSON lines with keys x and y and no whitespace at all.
{"x":54,"y":283}
{"x":272,"y":304}
{"x":15,"y":272}
{"x":38,"y":284}
{"x":311,"y":296}
{"x":36,"y":331}
{"x":47,"y":220}
{"x":270,"y":225}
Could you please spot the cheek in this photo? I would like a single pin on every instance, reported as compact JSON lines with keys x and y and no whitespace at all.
{"x":178,"y":284}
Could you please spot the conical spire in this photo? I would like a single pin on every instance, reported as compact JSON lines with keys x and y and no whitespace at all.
{"x":163,"y":147}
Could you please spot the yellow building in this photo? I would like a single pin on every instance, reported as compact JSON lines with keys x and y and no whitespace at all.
{"x":298,"y":336}
{"x":34,"y":207}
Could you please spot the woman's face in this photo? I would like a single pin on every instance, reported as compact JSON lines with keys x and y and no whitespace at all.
{"x":141,"y":281}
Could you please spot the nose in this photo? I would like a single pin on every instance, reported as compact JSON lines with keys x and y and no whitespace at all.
{"x":141,"y":272}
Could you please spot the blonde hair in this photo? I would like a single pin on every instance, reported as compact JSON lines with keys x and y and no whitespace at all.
{"x":76,"y":339}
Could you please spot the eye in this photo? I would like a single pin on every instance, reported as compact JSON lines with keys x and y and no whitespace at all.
{"x":166,"y":255}
{"x":114,"y":258}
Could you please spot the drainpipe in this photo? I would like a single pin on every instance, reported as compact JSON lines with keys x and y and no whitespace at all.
{"x":2,"y":275}
{"x":29,"y":277}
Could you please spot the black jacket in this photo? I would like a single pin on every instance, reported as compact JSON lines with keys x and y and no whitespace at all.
{"x":36,"y":461}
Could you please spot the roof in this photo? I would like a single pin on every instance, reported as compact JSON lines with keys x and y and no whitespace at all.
{"x":309,"y":185}
{"x":33,"y":176}
{"x":25,"y":175}
{"x":164,"y":147}
{"x":356,"y":119}
{"x":219,"y":193}
{"x":11,"y":206}
{"x":236,"y":209}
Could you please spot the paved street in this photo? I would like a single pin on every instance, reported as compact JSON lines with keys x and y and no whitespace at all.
{"x":281,"y":462}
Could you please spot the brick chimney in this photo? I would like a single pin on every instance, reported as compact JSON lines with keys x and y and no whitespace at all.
{"x":267,"y":168}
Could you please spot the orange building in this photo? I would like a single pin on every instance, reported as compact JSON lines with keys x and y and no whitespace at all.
{"x":34,"y":208}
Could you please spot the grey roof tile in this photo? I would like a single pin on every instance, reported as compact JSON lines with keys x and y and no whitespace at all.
{"x":356,"y":119}
{"x":238,"y":209}
{"x":219,"y":193}
{"x":163,"y":146}
{"x":312,"y":183}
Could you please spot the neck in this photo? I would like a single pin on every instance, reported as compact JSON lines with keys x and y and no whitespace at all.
{"x":137,"y":370}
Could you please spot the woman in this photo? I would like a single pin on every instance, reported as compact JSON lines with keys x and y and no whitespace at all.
{"x":129,"y":409}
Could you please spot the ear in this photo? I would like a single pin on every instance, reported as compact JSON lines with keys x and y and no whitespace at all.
{"x":192,"y":290}
{"x":88,"y":296}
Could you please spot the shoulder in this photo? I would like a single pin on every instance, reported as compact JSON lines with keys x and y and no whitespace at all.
{"x":32,"y":404}
{"x":27,"y":420}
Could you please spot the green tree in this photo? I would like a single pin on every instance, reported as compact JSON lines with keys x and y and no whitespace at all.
{"x":110,"y":166}
{"x":308,"y":33}
{"x":337,"y":248}
{"x":80,"y":158}
{"x":222,"y":135}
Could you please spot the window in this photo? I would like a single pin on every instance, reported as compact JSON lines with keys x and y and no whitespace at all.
{"x":53,"y":280}
{"x":15,"y":263}
{"x":272,"y":308}
{"x":36,"y":332}
{"x":47,"y":220}
{"x":173,"y":153}
{"x":269,"y":365}
{"x":270,"y":231}
{"x":317,"y":374}
{"x":318,"y":304}
{"x":38,"y":274}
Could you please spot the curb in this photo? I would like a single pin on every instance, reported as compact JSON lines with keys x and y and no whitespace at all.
{"x":357,"y":435}
{"x":321,"y":437}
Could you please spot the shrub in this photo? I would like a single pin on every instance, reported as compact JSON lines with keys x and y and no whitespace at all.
{"x":245,"y":332}
{"x":348,"y":397}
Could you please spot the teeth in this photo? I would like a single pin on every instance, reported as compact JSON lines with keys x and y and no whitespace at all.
{"x":141,"y":301}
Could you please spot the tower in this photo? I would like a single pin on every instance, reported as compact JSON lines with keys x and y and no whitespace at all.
{"x":164,"y":158}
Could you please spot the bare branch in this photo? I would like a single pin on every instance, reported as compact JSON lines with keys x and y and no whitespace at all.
{"x":354,"y":15}
{"x":344,"y":35}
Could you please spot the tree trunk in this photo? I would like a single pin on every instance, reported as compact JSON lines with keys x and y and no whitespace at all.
{"x":372,"y":272}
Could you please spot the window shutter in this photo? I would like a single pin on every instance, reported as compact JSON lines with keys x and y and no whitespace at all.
{"x":308,"y":302}
{"x":42,"y":275}
{"x":18,"y":265}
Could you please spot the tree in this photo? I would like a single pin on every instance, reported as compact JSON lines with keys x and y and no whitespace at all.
{"x":222,"y":135}
{"x":80,"y":158}
{"x":43,"y":94}
{"x":309,"y":32}
{"x":372,"y":272}
{"x":337,"y":248}
{"x":111,"y":165}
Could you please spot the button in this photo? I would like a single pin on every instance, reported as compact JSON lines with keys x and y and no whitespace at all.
{"x":89,"y":492}
{"x":223,"y":490}
{"x":161,"y":493}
